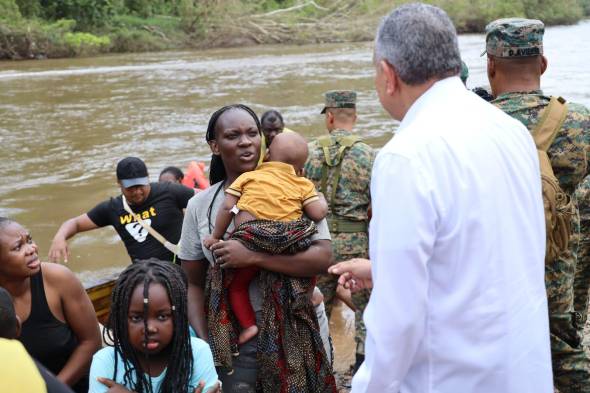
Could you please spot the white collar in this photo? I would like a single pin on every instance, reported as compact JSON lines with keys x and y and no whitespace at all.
{"x":439,"y":90}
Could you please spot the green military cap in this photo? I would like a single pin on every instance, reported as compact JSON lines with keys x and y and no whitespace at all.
{"x":514,"y":37}
{"x":340,"y":99}
{"x":464,"y":72}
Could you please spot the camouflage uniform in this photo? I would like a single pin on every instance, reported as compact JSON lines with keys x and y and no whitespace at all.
{"x":567,"y":279}
{"x":350,"y":203}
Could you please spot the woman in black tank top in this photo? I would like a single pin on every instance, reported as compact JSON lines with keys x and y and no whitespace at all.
{"x":65,"y":348}
{"x":58,"y":341}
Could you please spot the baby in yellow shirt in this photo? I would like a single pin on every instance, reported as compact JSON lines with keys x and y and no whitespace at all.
{"x":267,"y":206}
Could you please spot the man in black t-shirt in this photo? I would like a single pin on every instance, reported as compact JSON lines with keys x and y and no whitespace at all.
{"x":159,"y":205}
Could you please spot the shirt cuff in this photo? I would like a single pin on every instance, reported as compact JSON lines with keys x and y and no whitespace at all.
{"x":310,"y":200}
{"x":233,"y":192}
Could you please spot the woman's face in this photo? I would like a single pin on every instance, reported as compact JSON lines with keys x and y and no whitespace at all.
{"x":237,"y":141}
{"x":160,"y":320}
{"x":18,"y":252}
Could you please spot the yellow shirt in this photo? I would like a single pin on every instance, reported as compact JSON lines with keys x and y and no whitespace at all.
{"x":18,"y":372}
{"x":273,"y":192}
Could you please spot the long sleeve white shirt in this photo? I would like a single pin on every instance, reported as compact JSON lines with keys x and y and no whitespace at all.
{"x":457,"y":243}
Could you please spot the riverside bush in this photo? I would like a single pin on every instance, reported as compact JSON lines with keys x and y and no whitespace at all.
{"x":56,"y":28}
{"x":9,"y":11}
{"x":86,"y":43}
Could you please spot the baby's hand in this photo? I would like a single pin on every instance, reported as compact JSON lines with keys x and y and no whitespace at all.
{"x":209,"y":241}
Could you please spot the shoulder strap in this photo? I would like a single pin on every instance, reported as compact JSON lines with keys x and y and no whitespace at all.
{"x":551,"y":120}
{"x":171,"y":247}
{"x":325,"y":142}
{"x":39,"y":305}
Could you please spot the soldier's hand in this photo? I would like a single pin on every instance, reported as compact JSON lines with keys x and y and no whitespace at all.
{"x":355,"y":274}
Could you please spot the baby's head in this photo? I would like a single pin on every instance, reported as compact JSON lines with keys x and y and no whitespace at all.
{"x":290,"y":148}
{"x":149,"y":318}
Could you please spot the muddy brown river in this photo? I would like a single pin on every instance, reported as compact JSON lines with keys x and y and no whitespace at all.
{"x":65,"y":123}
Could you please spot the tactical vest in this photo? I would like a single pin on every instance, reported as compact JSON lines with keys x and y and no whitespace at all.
{"x":337,"y":223}
{"x":559,"y":209}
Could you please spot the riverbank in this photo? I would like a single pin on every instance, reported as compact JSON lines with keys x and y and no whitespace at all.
{"x":29,"y":30}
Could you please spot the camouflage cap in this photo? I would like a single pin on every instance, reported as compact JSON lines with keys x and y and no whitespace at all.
{"x":340,"y":99}
{"x":514,"y":37}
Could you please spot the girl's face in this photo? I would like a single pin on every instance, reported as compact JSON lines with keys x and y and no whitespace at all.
{"x":160,"y":322}
{"x":18,"y":252}
{"x":237,"y":140}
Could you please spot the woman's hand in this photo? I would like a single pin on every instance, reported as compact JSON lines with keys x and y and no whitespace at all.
{"x":355,"y":274}
{"x":233,"y":254}
{"x":113,"y":386}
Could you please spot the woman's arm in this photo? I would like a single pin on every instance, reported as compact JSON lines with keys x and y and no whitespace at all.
{"x":196,"y":272}
{"x":313,"y":261}
{"x":79,"y":316}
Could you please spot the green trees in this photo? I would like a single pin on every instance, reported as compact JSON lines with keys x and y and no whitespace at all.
{"x":9,"y":10}
{"x":37,"y":28}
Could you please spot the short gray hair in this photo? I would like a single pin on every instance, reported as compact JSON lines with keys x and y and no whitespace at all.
{"x":420,"y":42}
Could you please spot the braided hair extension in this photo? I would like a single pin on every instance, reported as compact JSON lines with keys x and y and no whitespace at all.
{"x":216,"y":168}
{"x":180,"y":365}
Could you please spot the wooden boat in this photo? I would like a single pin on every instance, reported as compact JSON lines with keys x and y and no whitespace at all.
{"x":100,"y":295}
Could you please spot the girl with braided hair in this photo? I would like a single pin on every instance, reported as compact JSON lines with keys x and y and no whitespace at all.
{"x":153,"y":351}
{"x":288,"y":353}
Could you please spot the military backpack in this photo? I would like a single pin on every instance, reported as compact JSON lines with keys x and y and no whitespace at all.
{"x":336,"y":223}
{"x":559,"y":208}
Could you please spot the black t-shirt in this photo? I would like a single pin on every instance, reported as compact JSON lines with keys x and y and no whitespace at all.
{"x":162,"y":210}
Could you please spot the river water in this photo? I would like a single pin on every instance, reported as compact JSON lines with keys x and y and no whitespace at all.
{"x":64,"y":124}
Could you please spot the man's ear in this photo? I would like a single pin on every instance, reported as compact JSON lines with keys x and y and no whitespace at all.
{"x":214,"y":147}
{"x":491,"y":68}
{"x":392,"y":81}
{"x":330,"y":117}
{"x":543,"y":64}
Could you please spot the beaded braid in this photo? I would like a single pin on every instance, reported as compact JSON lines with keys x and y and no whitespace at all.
{"x":216,"y":168}
{"x":180,"y":365}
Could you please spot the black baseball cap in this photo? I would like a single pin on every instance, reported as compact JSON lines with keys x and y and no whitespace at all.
{"x":131,"y":171}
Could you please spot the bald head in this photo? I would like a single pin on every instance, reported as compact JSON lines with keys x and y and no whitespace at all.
{"x":290,"y":148}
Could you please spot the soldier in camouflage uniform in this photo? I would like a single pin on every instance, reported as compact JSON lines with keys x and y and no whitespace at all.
{"x":515,"y":65}
{"x":340,"y":166}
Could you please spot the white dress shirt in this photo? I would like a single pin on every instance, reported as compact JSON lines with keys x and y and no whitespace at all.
{"x":457,"y":244}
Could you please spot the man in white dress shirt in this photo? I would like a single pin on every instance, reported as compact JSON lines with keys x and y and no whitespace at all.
{"x":457,"y":238}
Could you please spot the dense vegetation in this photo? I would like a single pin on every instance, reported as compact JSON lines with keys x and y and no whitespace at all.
{"x":62,"y":28}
